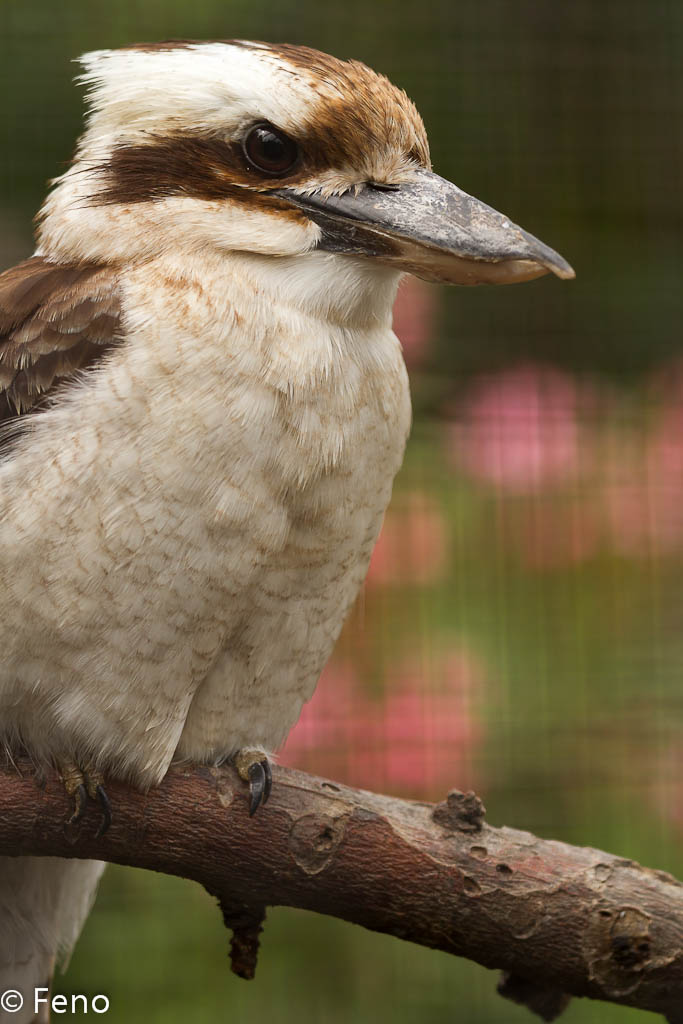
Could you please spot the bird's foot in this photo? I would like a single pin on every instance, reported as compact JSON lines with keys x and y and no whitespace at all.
{"x":253,"y":767}
{"x":82,"y":784}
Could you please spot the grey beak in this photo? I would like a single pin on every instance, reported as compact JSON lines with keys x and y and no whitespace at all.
{"x":431,"y":228}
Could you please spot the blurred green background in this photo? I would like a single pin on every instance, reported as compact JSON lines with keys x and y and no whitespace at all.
{"x":520,"y":631}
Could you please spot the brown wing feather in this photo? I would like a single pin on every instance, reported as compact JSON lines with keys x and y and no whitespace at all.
{"x":55,"y":319}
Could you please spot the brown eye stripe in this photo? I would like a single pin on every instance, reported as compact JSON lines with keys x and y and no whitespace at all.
{"x":188,"y":165}
{"x":210,"y":168}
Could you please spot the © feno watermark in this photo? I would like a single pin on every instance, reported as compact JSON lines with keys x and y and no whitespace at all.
{"x":11,"y":1001}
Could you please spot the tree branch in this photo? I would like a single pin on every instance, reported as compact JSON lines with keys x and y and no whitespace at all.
{"x":556,"y":918}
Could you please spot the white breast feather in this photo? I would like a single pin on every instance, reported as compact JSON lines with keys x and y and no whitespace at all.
{"x":185,"y":535}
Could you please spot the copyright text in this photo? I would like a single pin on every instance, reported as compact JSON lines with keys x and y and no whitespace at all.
{"x":12,"y":1000}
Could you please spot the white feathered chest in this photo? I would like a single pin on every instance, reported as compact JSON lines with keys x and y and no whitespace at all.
{"x":190,"y":527}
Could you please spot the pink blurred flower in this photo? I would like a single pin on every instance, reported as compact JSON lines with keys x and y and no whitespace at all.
{"x":518,"y":429}
{"x":414,"y":316}
{"x":417,"y":737}
{"x":413,"y":546}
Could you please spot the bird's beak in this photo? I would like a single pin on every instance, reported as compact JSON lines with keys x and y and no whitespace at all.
{"x":431,"y":228}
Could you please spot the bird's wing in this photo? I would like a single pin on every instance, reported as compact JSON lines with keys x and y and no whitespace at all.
{"x":55,"y":319}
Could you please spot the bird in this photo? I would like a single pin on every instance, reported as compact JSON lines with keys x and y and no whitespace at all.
{"x":204,"y":408}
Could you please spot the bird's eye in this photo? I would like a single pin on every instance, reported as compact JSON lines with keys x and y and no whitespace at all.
{"x":269,"y":150}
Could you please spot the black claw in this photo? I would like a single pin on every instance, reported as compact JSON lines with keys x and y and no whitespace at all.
{"x":106,"y":811}
{"x":80,"y":804}
{"x":267,"y":771}
{"x":257,"y":786}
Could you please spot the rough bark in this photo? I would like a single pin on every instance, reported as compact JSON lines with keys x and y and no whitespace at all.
{"x":556,"y":919}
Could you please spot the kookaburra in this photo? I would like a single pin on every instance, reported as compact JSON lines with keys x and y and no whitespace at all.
{"x":206,"y":407}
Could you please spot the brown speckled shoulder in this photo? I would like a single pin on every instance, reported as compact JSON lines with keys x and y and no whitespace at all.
{"x":55,"y":319}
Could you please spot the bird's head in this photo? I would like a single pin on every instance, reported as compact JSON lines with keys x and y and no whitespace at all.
{"x":271,"y":151}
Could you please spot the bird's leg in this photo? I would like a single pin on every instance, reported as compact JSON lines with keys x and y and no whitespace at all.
{"x":74,"y":784}
{"x":94,"y":780}
{"x":81,"y":783}
{"x":253,"y":767}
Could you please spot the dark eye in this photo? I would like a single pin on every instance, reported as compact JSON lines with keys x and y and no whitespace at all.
{"x":269,"y":150}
